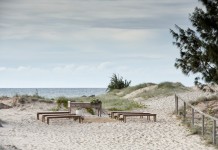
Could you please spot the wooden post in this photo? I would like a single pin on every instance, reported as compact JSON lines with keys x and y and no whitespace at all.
{"x":214,"y":131}
{"x":184,"y":111}
{"x":193,"y":116}
{"x":176,"y":103}
{"x":68,"y":105}
{"x":203,"y":130}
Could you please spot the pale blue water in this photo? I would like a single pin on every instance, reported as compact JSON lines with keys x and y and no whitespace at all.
{"x":52,"y":92}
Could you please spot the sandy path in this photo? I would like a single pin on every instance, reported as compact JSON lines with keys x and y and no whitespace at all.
{"x":25,"y":132}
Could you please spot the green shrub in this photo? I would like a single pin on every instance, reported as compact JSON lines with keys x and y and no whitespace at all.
{"x":117,"y":83}
{"x":90,"y":110}
{"x":62,"y":101}
{"x":95,"y":101}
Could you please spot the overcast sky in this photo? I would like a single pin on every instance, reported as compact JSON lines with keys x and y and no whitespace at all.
{"x":81,"y":43}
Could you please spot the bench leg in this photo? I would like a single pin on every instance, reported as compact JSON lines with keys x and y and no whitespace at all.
{"x":124,"y":119}
{"x":47,"y":120}
{"x":37,"y":116}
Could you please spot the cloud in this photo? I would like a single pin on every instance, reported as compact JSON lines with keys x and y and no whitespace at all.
{"x":50,"y":18}
{"x":72,"y":41}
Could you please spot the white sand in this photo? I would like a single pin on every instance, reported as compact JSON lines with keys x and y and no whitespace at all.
{"x":25,"y":132}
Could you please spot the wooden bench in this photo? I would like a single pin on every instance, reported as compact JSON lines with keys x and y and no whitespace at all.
{"x":51,"y":112}
{"x":112,"y":113}
{"x":130,"y":113}
{"x":134,"y":115}
{"x":65,"y":116}
{"x":47,"y":115}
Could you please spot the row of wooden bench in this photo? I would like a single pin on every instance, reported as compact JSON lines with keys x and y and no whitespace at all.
{"x":47,"y":116}
{"x":122,"y":115}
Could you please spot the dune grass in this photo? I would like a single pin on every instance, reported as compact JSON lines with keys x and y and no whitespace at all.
{"x":164,"y":89}
{"x":130,"y":89}
{"x":111,"y":101}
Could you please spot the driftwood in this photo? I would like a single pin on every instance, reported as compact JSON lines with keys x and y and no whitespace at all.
{"x":3,"y":106}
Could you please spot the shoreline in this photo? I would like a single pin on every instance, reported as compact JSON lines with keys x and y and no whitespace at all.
{"x":52,"y":92}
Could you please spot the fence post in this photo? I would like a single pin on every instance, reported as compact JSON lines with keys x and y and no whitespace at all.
{"x":176,"y":102}
{"x":193,"y":121}
{"x":203,"y":130}
{"x":214,"y":131}
{"x":184,"y":111}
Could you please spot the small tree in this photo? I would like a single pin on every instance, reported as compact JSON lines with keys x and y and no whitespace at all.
{"x":117,"y":83}
{"x":199,"y":49}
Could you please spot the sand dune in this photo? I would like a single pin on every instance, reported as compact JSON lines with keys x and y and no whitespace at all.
{"x":24,"y":132}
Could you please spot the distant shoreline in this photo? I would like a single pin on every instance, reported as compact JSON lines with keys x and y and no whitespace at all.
{"x":52,"y":92}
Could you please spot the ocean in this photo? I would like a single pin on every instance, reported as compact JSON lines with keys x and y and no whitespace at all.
{"x":52,"y":92}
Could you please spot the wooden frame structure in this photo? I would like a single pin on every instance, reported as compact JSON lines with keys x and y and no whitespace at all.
{"x":68,"y":114}
{"x":177,"y":98}
{"x":86,"y":105}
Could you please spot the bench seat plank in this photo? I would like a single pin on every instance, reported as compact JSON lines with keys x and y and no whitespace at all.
{"x":112,"y":113}
{"x":47,"y":115}
{"x":65,"y":116}
{"x":51,"y":112}
{"x":133,"y":115}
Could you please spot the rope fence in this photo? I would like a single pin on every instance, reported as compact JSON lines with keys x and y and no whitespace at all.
{"x":193,"y":111}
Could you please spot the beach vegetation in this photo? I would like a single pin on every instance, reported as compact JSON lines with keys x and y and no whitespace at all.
{"x":163,"y":89}
{"x":198,"y":46}
{"x":154,"y":90}
{"x":90,"y":110}
{"x":117,"y":82}
{"x":110,"y":101}
{"x":114,"y":102}
{"x":95,"y":101}
{"x":131,"y":89}
{"x":205,"y":99}
{"x":62,"y":101}
{"x":46,"y":101}
{"x":22,"y":99}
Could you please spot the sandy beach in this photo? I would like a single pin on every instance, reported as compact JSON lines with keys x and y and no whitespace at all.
{"x":24,"y":132}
